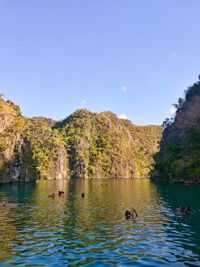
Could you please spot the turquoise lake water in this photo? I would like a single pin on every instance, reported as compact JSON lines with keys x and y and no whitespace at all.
{"x":70,"y":231}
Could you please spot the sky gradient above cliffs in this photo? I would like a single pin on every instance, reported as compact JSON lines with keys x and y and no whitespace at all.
{"x":133,"y":57}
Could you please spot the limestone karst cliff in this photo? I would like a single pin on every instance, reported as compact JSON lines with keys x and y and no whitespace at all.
{"x":84,"y":145}
{"x":29,"y":148}
{"x":104,"y":146}
{"x":179,"y":156}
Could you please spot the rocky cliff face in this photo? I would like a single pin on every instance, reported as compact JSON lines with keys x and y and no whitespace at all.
{"x":104,"y":146}
{"x":11,"y":128}
{"x":84,"y":145}
{"x":48,"y":155}
{"x":29,"y":148}
{"x":179,"y":157}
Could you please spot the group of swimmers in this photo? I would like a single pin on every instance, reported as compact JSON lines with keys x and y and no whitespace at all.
{"x":132,"y":214}
{"x":184,"y":210}
{"x":62,"y":194}
{"x":129,"y":214}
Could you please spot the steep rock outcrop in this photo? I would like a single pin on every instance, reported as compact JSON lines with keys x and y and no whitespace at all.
{"x":179,"y":157}
{"x":49,"y":156}
{"x":29,"y":148}
{"x":104,"y":146}
{"x":11,"y":129}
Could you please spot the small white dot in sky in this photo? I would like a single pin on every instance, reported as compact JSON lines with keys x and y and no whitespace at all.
{"x":83,"y":102}
{"x":173,"y":55}
{"x":124,"y":89}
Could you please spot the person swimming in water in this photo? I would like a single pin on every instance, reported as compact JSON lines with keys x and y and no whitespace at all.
{"x":187,"y":210}
{"x":52,"y":195}
{"x":128,"y":214}
{"x":180,"y":209}
{"x":131,"y":214}
{"x":61,"y":193}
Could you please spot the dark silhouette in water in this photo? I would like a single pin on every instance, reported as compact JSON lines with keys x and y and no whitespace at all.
{"x":61,"y":193}
{"x":187,"y":210}
{"x":184,"y":210}
{"x":131,"y":214}
{"x":83,"y":195}
{"x":180,"y":209}
{"x":52,"y":195}
{"x":128,"y":214}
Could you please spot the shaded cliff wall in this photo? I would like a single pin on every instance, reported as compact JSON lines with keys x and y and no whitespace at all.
{"x":179,"y":156}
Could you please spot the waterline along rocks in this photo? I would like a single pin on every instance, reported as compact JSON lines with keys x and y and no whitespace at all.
{"x":179,"y":156}
{"x":84,"y":145}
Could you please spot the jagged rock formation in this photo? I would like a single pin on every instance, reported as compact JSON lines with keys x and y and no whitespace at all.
{"x":104,"y":146}
{"x":84,"y":145}
{"x":179,"y":157}
{"x":29,"y":148}
{"x":11,"y":127}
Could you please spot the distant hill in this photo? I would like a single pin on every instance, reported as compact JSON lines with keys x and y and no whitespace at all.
{"x":84,"y":145}
{"x":179,"y":156}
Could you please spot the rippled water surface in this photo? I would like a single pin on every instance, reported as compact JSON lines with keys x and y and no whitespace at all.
{"x":70,"y":231}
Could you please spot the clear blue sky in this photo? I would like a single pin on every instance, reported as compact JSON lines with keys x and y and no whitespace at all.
{"x":133,"y":57}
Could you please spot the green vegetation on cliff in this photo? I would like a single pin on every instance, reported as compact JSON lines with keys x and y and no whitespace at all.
{"x":12,"y":125}
{"x":46,"y":146}
{"x":102,"y":145}
{"x":29,"y":148}
{"x":84,"y":145}
{"x":179,"y":157}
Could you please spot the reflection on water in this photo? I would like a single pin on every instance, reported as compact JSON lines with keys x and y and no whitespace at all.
{"x":36,"y":230}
